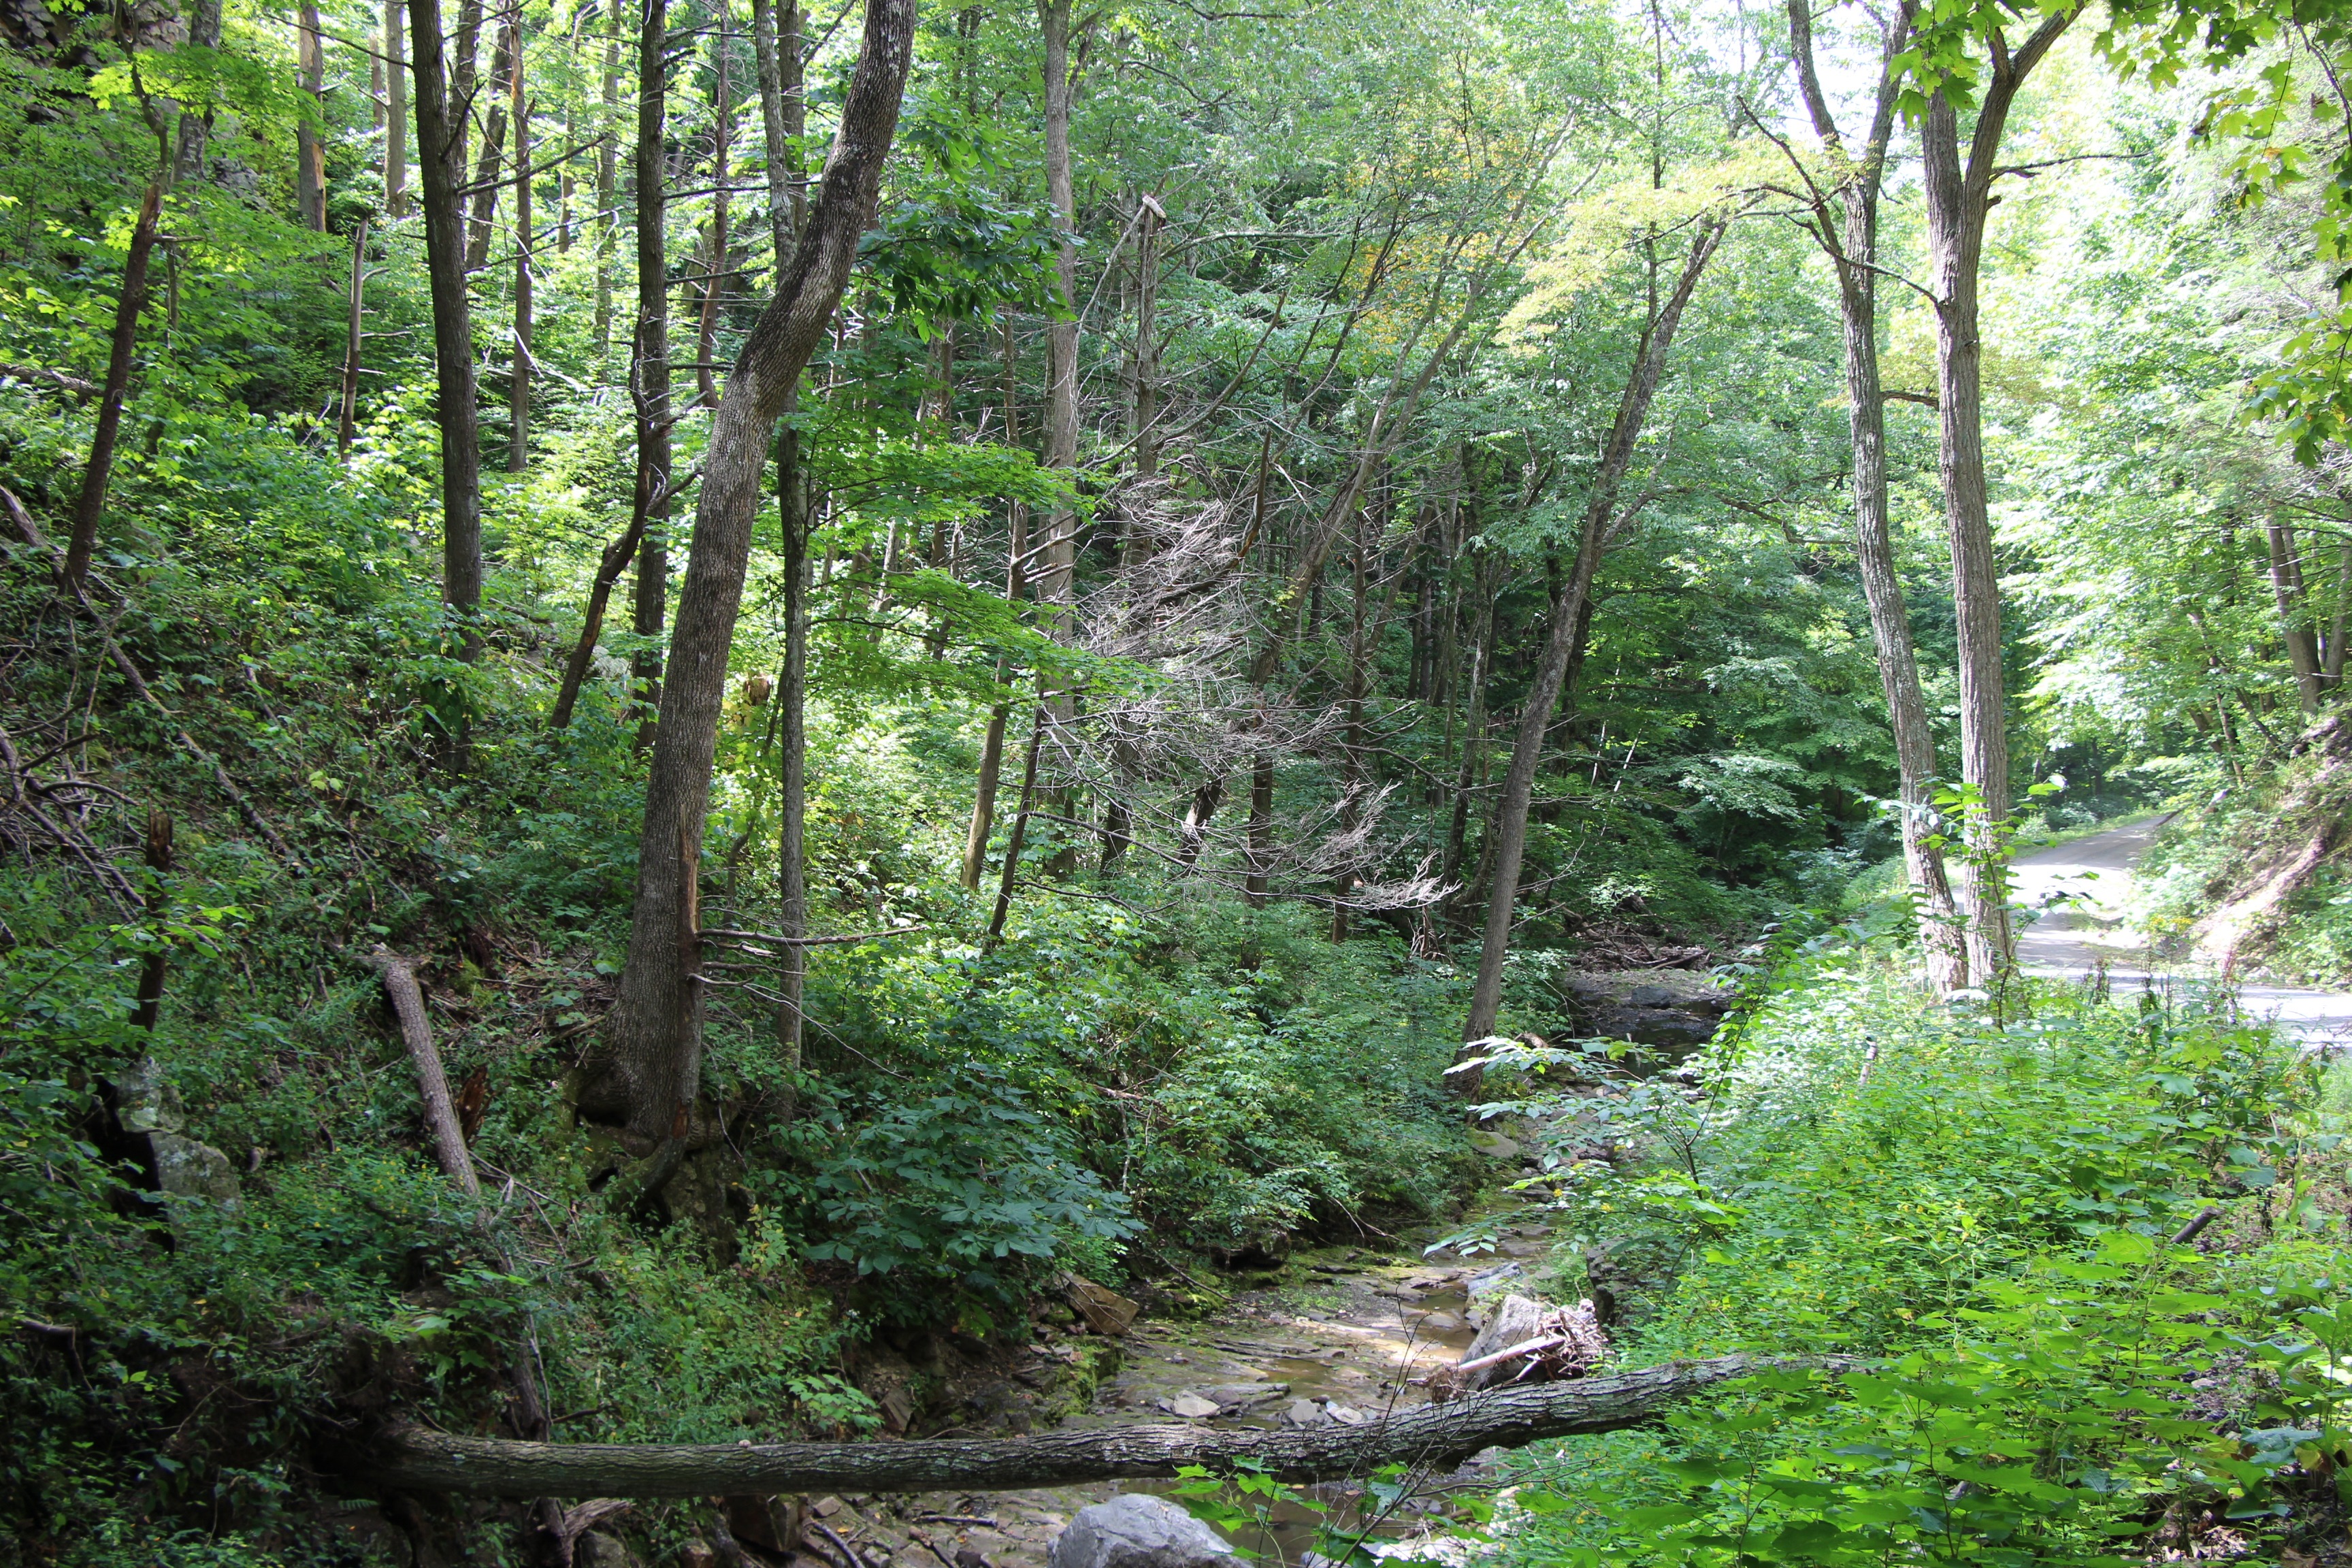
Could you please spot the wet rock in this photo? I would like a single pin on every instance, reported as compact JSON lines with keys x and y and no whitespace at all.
{"x":1674,"y":1010}
{"x":1135,"y":1530}
{"x":1440,"y":1323}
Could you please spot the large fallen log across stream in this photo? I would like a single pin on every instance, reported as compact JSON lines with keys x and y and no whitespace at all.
{"x":411,"y":1458}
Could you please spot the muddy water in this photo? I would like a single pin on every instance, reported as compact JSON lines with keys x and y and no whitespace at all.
{"x":1343,"y":1338}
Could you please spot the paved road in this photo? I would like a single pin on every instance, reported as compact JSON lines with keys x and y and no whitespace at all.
{"x":2074,"y":938}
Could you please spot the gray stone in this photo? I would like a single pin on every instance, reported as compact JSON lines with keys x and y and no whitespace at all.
{"x":1135,"y":1530}
{"x":147,"y":1108}
{"x":1191,"y":1406}
{"x":1303,"y":1413}
{"x":598,"y":1549}
{"x":1495,"y":1146}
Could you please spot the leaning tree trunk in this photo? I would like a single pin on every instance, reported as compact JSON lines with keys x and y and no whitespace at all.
{"x":440,"y":158}
{"x":1434,"y":1437}
{"x":1509,"y":834}
{"x":1958,"y":198}
{"x":98,"y":473}
{"x":655,"y":1044}
{"x":1853,"y":256}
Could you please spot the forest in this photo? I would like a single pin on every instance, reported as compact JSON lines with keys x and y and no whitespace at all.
{"x":875,"y":786}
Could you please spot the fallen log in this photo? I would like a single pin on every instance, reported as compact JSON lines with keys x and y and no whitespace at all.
{"x":432,"y":1085}
{"x":414,"y":1458}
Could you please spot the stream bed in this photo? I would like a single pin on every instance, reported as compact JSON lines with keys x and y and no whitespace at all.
{"x":1345,"y":1337}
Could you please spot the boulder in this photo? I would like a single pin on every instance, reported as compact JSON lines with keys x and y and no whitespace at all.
{"x":1135,"y":1530}
{"x":1106,"y":1311}
{"x":598,"y":1549}
{"x":147,"y":1108}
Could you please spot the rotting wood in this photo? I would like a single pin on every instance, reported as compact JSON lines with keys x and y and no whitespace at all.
{"x":414,"y":1458}
{"x":440,"y":1111}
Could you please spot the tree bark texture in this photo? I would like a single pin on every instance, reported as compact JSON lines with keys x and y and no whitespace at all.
{"x":608,"y":159}
{"x":714,"y":285}
{"x":1435,"y":1436}
{"x":355,"y":316}
{"x":519,"y":382}
{"x":505,"y":61}
{"x":1851,"y":253}
{"x":310,"y":154}
{"x":1509,"y":834}
{"x":195,"y":130}
{"x":432,"y":1084}
{"x":441,"y":166}
{"x":2294,"y":614}
{"x":778,"y":79}
{"x":991,"y":745}
{"x":655,"y":1046}
{"x":1058,"y":583}
{"x":649,"y":361}
{"x":792,"y":784}
{"x":395,"y":112}
{"x":1959,"y":198}
{"x":98,"y":473}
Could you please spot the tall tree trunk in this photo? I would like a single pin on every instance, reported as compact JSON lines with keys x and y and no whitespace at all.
{"x":778,"y":59}
{"x":1148,"y":220}
{"x":654,"y":1038}
{"x":1851,"y":238}
{"x":441,"y":166}
{"x":395,"y":112}
{"x":356,"y":314}
{"x":1058,"y":584}
{"x":1255,"y":878}
{"x":2294,"y":614}
{"x":791,"y":692}
{"x":98,"y":473}
{"x":2332,"y":674}
{"x":505,"y":67}
{"x":518,"y":384}
{"x":1509,"y":834}
{"x":309,"y":153}
{"x":1473,"y":728}
{"x":608,"y":159}
{"x":1959,"y":198}
{"x":992,"y":746}
{"x":649,"y":374}
{"x":714,"y":286}
{"x":1355,"y":744}
{"x":195,"y":130}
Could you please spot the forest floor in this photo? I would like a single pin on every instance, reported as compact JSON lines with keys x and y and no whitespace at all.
{"x":1341,"y":1335}
{"x":2088,"y":933}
